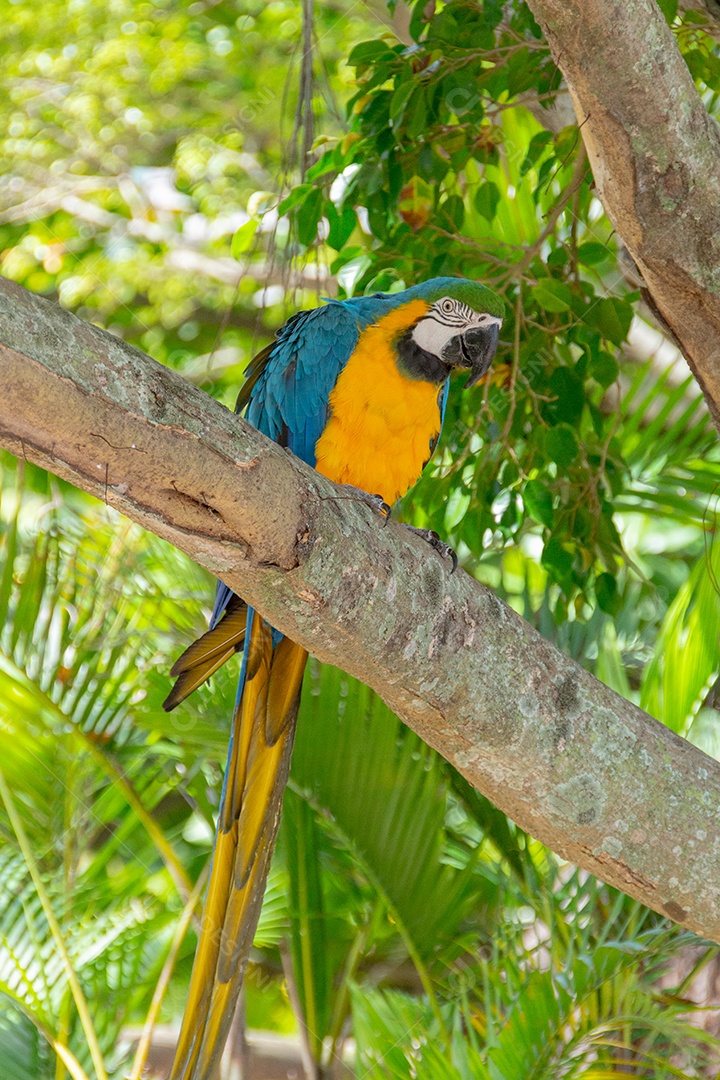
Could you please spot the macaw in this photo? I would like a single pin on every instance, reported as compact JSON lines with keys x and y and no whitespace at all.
{"x":357,"y":388}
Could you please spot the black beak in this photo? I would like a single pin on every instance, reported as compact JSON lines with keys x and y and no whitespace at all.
{"x":474,"y":349}
{"x":479,"y":346}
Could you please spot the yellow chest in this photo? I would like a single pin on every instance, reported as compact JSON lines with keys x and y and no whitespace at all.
{"x":381,"y":422}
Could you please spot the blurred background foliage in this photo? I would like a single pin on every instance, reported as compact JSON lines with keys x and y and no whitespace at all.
{"x":187,"y":175}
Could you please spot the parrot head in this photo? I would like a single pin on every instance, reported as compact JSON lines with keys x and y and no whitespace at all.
{"x":461,"y":328}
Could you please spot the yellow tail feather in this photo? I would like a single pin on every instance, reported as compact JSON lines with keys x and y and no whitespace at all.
{"x":257,"y":768}
{"x":203,"y":658}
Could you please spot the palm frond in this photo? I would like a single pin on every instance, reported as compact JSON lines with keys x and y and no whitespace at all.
{"x":687,"y":658}
{"x":379,"y":790}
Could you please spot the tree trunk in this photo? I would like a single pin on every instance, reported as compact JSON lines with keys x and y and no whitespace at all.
{"x":655,"y":156}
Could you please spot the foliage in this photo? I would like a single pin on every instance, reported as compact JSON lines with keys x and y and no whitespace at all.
{"x":538,"y":1012}
{"x":152,"y":181}
{"x":463,"y":162}
{"x":137,"y":138}
{"x":115,"y":853}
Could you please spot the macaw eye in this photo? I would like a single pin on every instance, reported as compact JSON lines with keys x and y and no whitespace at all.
{"x":447,"y":306}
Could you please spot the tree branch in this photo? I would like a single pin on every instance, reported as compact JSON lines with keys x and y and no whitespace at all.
{"x":571,"y":761}
{"x":655,"y":155}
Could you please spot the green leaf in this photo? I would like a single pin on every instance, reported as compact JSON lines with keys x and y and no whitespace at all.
{"x":67,"y":750}
{"x":610,"y":667}
{"x":552,"y":295}
{"x":607,"y":594}
{"x":556,"y":558}
{"x":612,"y":317}
{"x":274,"y":920}
{"x":417,"y":113}
{"x":558,"y":258}
{"x":346,"y":256}
{"x":686,"y":662}
{"x":539,"y":502}
{"x":341,"y":224}
{"x":566,"y":141}
{"x":243,"y":238}
{"x":296,"y":196}
{"x":308,"y":216}
{"x":9,"y":553}
{"x":561,"y":445}
{"x":369,"y":52}
{"x":669,"y":9}
{"x":454,"y":207}
{"x":591,"y":253}
{"x":387,"y":803}
{"x":604,"y":369}
{"x":376,"y":207}
{"x":307,"y":919}
{"x":401,"y":95}
{"x":537,"y":145}
{"x":330,"y":161}
{"x":386,"y":1024}
{"x":487,"y":199}
{"x":493,"y":823}
{"x":568,"y":397}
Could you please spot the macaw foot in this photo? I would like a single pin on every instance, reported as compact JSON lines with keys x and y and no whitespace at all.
{"x":432,"y":538}
{"x":376,"y":502}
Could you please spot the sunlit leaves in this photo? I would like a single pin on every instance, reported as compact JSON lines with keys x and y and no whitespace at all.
{"x":74,"y":665}
{"x":129,"y":176}
{"x":243,"y":238}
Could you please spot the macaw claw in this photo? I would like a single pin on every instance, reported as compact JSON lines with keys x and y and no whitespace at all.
{"x":375,"y":502}
{"x":378,"y":504}
{"x":430,"y":537}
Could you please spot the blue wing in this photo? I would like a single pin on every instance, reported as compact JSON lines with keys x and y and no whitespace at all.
{"x":289,"y":401}
{"x":289,"y":383}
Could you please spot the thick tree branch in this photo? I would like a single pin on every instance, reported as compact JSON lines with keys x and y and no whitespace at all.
{"x":655,"y":155}
{"x":571,"y":761}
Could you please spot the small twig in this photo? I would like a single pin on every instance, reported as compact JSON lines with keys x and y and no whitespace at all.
{"x":96,"y":435}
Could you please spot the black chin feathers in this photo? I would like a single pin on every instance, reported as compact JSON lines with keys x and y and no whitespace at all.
{"x":416,"y":363}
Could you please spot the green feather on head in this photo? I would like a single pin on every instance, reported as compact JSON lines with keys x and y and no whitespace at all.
{"x":476,"y":296}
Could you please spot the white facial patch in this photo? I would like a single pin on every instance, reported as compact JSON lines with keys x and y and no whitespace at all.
{"x":433,"y":336}
{"x":445,"y":320}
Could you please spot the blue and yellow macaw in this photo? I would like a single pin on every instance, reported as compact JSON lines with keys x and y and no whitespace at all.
{"x":357,"y":388}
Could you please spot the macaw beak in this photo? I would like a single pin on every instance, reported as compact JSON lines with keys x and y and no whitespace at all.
{"x":474,"y":349}
{"x":479,"y":345}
